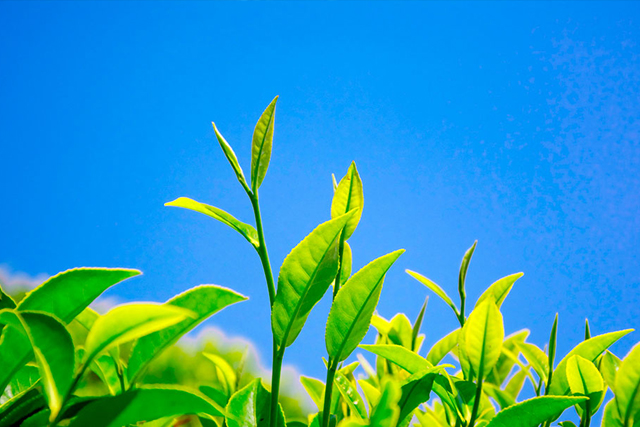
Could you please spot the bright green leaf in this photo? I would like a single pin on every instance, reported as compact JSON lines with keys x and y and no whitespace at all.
{"x":415,"y":390}
{"x":415,"y":332}
{"x":406,"y":359}
{"x":348,"y":196}
{"x":315,"y":389}
{"x":609,"y":365}
{"x":536,"y":357}
{"x":261,"y":145}
{"x":584,"y":379}
{"x":435,"y":288}
{"x":505,"y":362}
{"x":628,"y":387}
{"x":351,"y":312}
{"x":500,"y":289}
{"x":534,"y":411}
{"x":462,"y":276}
{"x":443,"y":347}
{"x":249,"y":407}
{"x":387,"y":411}
{"x":245,"y":230}
{"x":231,"y":157}
{"x":347,"y":261}
{"x":484,"y":335}
{"x":305,"y":275}
{"x":350,"y":395}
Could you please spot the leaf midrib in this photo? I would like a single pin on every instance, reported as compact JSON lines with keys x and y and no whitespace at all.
{"x":254,"y":179}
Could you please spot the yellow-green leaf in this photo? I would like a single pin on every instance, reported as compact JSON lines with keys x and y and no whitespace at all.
{"x":435,"y":289}
{"x":534,"y":411}
{"x":406,"y":359}
{"x":249,"y":407}
{"x":584,"y":379}
{"x":231,"y":157}
{"x":443,"y":347}
{"x":261,"y":145}
{"x":628,"y":387}
{"x":500,"y":289}
{"x":483,"y":337}
{"x":348,"y":196}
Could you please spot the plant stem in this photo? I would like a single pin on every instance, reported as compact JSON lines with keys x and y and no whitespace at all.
{"x":262,"y":249}
{"x":476,"y":403}
{"x":275,"y":383}
{"x":328,"y":390}
{"x":336,"y":285}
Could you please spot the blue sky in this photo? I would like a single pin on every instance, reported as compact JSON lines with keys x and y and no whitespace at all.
{"x":512,"y":123}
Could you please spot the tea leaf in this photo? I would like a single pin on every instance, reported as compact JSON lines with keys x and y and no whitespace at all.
{"x":261,"y":145}
{"x":129,"y":322}
{"x":628,"y":387}
{"x":611,"y":416}
{"x":536,"y":357}
{"x":105,"y":367}
{"x":74,"y":405}
{"x":371,"y":393}
{"x":584,"y":379}
{"x":305,"y":275}
{"x":348,"y":196}
{"x":387,"y":411}
{"x":6,"y":301}
{"x":146,"y":403}
{"x":249,"y":407}
{"x":345,"y":271}
{"x":406,"y":359}
{"x":505,"y":362}
{"x":462,"y":277}
{"x":484,"y":335}
{"x":246,"y":230}
{"x":224,"y":370}
{"x":417,"y":325}
{"x":13,"y":411}
{"x":353,"y":307}
{"x":500,"y":289}
{"x":609,"y":365}
{"x":231,"y":157}
{"x":203,"y":301}
{"x":501,"y":397}
{"x":415,"y":391}
{"x":590,"y":350}
{"x":534,"y":411}
{"x":435,"y":288}
{"x":315,"y":389}
{"x":53,"y":349}
{"x":64,"y":296}
{"x":443,"y":347}
{"x":514,"y":386}
{"x":351,"y":396}
{"x":552,"y":351}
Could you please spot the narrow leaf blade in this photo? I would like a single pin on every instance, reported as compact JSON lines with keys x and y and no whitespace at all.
{"x":261,"y":145}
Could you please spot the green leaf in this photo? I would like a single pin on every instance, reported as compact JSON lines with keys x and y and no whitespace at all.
{"x":609,"y":365}
{"x":21,"y":406}
{"x":415,"y":390}
{"x":129,"y":322}
{"x":417,"y":325}
{"x":70,"y":410}
{"x":611,"y":417}
{"x":514,"y":386}
{"x":435,"y":288}
{"x":500,"y":289}
{"x":501,"y":397}
{"x":406,"y":359}
{"x":462,"y":277}
{"x":218,"y":396}
{"x":246,"y":230}
{"x":249,"y":407}
{"x":105,"y":367}
{"x":371,"y":393}
{"x":348,"y":196}
{"x":483,"y":337}
{"x":305,"y":275}
{"x":53,"y":349}
{"x":345,"y":271}
{"x":387,"y":411}
{"x":6,"y":301}
{"x":628,"y":387}
{"x":400,"y":331}
{"x":350,"y":395}
{"x":553,"y":337}
{"x":225,"y":372}
{"x":506,"y":361}
{"x":261,"y":145}
{"x":534,"y":411}
{"x":590,"y":350}
{"x":231,"y":157}
{"x":536,"y":357}
{"x":146,"y":403}
{"x":203,"y":301}
{"x":315,"y":389}
{"x":64,"y":296}
{"x":443,"y":347}
{"x":566,"y":424}
{"x":351,"y":311}
{"x":584,"y":379}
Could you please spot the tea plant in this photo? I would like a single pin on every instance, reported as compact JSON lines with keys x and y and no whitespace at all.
{"x":51,"y":341}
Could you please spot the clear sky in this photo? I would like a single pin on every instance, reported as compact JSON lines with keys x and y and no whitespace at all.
{"x":517,"y":124}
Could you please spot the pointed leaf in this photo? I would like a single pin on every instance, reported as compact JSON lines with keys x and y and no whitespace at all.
{"x":406,"y":359}
{"x":534,"y":411}
{"x":315,"y":389}
{"x":203,"y":301}
{"x":129,"y":322}
{"x":609,"y":365}
{"x":249,"y":407}
{"x":553,"y":337}
{"x":462,"y":277}
{"x":590,"y":350}
{"x":628,"y":387}
{"x":443,"y":347}
{"x":231,"y":157}
{"x":348,"y":196}
{"x":371,"y":393}
{"x":415,"y":390}
{"x":5,"y":300}
{"x":53,"y":349}
{"x":506,"y":361}
{"x":500,"y":289}
{"x":536,"y":357}
{"x":64,"y":296}
{"x":584,"y":379}
{"x":305,"y":275}
{"x":261,"y":145}
{"x":611,"y":417}
{"x":351,"y":396}
{"x":246,"y":230}
{"x":514,"y":386}
{"x":145,"y":404}
{"x":351,"y":312}
{"x":484,"y":335}
{"x":417,"y":325}
{"x":435,"y":288}
{"x":387,"y":411}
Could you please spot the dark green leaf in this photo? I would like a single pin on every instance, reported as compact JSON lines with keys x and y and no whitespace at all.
{"x":261,"y":145}
{"x":462,"y":277}
{"x":5,"y":300}
{"x":415,"y":391}
{"x":21,"y":406}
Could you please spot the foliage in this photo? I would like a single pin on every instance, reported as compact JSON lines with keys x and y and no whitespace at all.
{"x":52,"y":343}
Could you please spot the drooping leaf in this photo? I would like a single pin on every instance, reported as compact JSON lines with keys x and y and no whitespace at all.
{"x":387,"y":411}
{"x":351,"y":312}
{"x":417,"y":325}
{"x":53,"y":349}
{"x":146,"y":403}
{"x":590,"y":350}
{"x":462,"y":276}
{"x":628,"y":387}
{"x":204,"y":301}
{"x":315,"y":389}
{"x":406,"y":359}
{"x":64,"y":296}
{"x":534,"y":411}
{"x":129,"y":322}
{"x":350,"y":395}
{"x":500,"y":289}
{"x":246,"y":230}
{"x":261,"y":145}
{"x":443,"y":347}
{"x":435,"y":289}
{"x":584,"y":379}
{"x":304,"y":277}
{"x":484,"y":335}
{"x":249,"y":407}
{"x":415,"y":390}
{"x":231,"y":157}
{"x":348,"y":196}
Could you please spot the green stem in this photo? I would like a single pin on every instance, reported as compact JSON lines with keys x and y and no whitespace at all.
{"x":262,"y":249}
{"x":328,"y":390}
{"x":278,"y":357}
{"x":336,"y":286}
{"x":476,"y":403}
